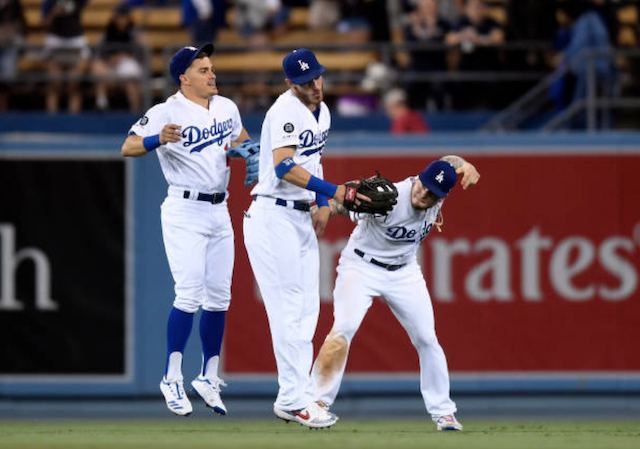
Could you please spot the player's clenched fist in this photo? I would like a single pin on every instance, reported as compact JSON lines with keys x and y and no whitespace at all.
{"x":170,"y":133}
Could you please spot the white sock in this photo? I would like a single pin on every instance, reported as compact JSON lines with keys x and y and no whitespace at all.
{"x":211,"y":370}
{"x":174,"y":370}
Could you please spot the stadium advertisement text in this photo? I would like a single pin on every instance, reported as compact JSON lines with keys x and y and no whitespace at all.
{"x":536,"y":270}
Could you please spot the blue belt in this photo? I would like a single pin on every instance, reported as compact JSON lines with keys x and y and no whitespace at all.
{"x":213,"y":198}
{"x":386,"y":266}
{"x":297,"y":205}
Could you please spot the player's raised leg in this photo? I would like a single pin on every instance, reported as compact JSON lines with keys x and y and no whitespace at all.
{"x":219,"y":268}
{"x":185,"y":248}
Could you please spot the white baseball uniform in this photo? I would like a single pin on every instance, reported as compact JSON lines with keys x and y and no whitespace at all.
{"x":283,"y":247}
{"x":196,"y":226}
{"x":380,"y":260}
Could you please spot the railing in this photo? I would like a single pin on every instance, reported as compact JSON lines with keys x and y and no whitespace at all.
{"x":531,"y":103}
{"x":537,"y":98}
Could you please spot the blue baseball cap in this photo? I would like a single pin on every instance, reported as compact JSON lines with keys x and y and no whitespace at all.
{"x":301,"y":66}
{"x":439,"y":177}
{"x":183,"y":58}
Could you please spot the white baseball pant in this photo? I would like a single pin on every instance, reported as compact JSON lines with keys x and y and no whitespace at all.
{"x":405,"y":291}
{"x":283,"y":251}
{"x":199,"y":242}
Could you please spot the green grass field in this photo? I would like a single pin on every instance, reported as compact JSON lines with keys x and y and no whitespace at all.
{"x":220,"y":433}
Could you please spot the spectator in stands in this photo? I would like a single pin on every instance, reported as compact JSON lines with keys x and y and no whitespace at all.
{"x":448,"y":10}
{"x":65,"y":50}
{"x":324,"y":14}
{"x":477,"y":34}
{"x":204,"y":19}
{"x":608,"y":11}
{"x":427,"y":27}
{"x":588,"y":33}
{"x":116,"y":62}
{"x":259,"y":21}
{"x":12,"y":31}
{"x":404,"y":120}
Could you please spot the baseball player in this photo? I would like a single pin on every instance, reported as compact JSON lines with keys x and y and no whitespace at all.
{"x":380,"y":260}
{"x":191,"y":133}
{"x":279,"y":231}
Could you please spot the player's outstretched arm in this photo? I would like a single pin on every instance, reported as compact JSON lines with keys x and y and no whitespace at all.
{"x":136,"y":146}
{"x":470,"y":176}
{"x":287,"y":169}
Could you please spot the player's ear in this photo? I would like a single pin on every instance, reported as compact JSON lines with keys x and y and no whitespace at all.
{"x":184,"y":80}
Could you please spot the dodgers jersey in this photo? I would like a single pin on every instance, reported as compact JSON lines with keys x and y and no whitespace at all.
{"x":290,"y":123}
{"x":394,"y":239}
{"x":198,"y":161}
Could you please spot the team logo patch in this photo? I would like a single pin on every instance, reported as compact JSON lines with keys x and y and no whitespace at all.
{"x":288,"y":127}
{"x":144,"y":120}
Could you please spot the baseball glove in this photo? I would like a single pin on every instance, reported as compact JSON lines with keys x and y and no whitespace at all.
{"x":382,"y":192}
{"x":249,"y":150}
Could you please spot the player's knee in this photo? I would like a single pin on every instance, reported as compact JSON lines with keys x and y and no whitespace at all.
{"x":340,"y":338}
{"x":424,"y":339}
{"x":188,"y":305}
{"x":216,"y":305}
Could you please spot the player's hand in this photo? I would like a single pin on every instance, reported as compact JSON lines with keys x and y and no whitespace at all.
{"x":320,"y":218}
{"x":340,"y":193}
{"x":170,"y":133}
{"x":470,"y":175}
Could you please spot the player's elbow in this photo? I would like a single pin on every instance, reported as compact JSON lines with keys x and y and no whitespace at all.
{"x":129,"y":148}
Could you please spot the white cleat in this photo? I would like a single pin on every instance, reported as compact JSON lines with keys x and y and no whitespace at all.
{"x":312,"y":416}
{"x":448,"y":422}
{"x":209,"y":390}
{"x":176,"y":398}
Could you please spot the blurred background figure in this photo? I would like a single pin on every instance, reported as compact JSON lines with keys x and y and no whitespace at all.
{"x":324,"y":14}
{"x":426,"y":26}
{"x":204,"y":19}
{"x":12,"y":31}
{"x":477,"y":34}
{"x":116,"y":64}
{"x":404,"y":120}
{"x":66,"y":50}
{"x":608,"y":12}
{"x":260,"y":21}
{"x":588,"y":32}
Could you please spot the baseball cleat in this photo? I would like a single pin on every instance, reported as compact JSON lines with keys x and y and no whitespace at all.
{"x":324,"y":406}
{"x":209,"y":390}
{"x":448,"y":422}
{"x":312,"y":416}
{"x":175,"y":397}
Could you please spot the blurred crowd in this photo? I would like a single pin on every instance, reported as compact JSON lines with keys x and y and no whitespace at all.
{"x":478,"y":30}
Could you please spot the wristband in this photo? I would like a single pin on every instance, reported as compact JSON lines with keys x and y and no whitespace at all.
{"x":321,"y":186}
{"x":321,"y":200}
{"x":284,"y":166}
{"x":152,"y":142}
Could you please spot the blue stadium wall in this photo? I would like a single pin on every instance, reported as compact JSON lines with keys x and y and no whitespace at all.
{"x":148,"y":289}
